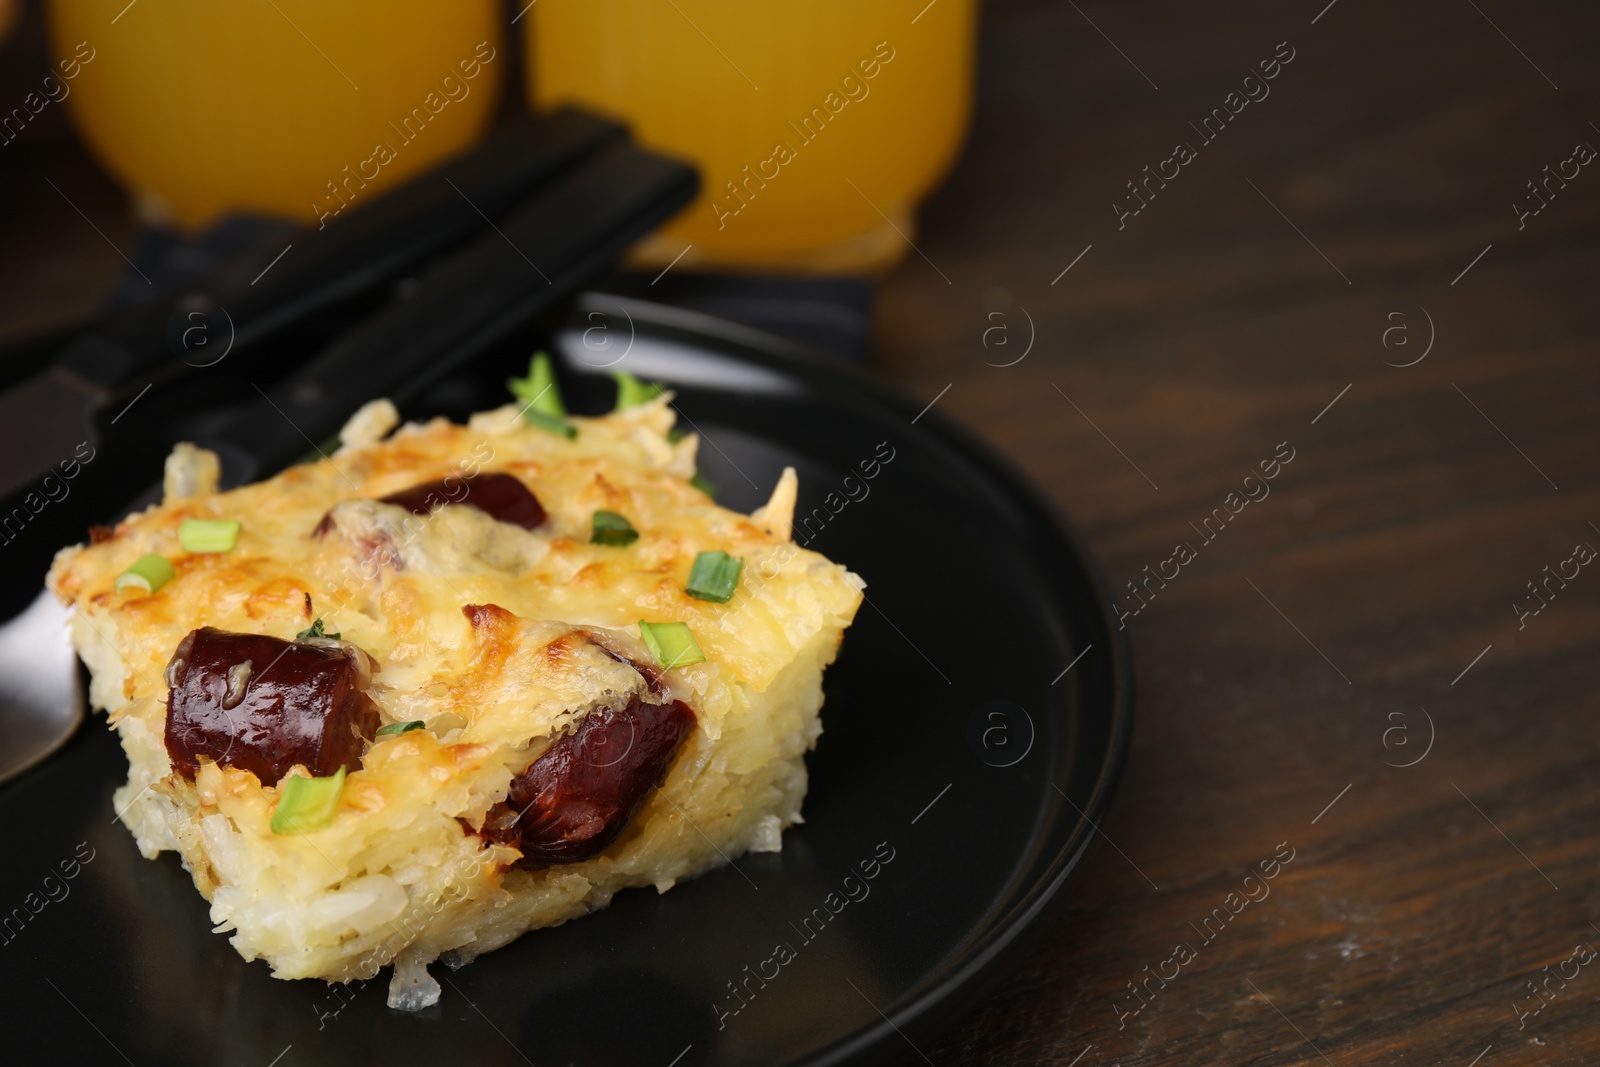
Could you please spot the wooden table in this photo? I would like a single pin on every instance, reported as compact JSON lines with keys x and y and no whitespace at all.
{"x":1338,"y":275}
{"x":1360,"y":617}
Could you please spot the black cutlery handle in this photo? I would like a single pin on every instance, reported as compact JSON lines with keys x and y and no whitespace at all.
{"x":535,"y":257}
{"x":367,"y":244}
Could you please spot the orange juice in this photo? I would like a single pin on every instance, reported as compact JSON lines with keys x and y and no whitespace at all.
{"x":10,"y":12}
{"x":290,"y":107}
{"x":817,"y":124}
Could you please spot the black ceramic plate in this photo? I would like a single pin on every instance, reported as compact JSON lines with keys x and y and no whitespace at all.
{"x":974,"y":725}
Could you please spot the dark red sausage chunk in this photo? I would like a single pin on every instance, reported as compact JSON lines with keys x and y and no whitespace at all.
{"x":501,"y":495}
{"x":576,"y":798}
{"x":263,"y":705}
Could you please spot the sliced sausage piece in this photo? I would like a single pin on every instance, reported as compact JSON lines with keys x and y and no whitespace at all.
{"x":263,"y":704}
{"x":502,"y":496}
{"x":576,"y":799}
{"x":649,"y":672}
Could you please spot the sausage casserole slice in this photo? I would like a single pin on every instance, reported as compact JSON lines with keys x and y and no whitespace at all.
{"x":453,"y":683}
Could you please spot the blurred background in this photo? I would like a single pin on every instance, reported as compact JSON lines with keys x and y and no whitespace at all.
{"x":194,"y":128}
{"x":1378,"y":251}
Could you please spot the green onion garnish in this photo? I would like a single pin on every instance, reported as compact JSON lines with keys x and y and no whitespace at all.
{"x":609,"y":528}
{"x":551,"y":423}
{"x":539,"y":389}
{"x":631,"y":392}
{"x":307,"y":803}
{"x":540,"y":394}
{"x":314,"y":630}
{"x":671,"y":643}
{"x":542,"y":397}
{"x":714,"y":576}
{"x":676,"y":434}
{"x":328,"y":447}
{"x":700,"y":482}
{"x":208,"y":535}
{"x":400,"y":728}
{"x":148,"y":573}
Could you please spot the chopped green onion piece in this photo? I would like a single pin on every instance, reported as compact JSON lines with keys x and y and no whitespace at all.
{"x":328,"y":447}
{"x":541,"y":397}
{"x":553,"y":423}
{"x":700,"y":482}
{"x":671,"y":643}
{"x":307,"y":803}
{"x":676,"y":434}
{"x":631,"y":392}
{"x":400,"y":727}
{"x":609,"y":528}
{"x":208,"y":535}
{"x":714,"y":576}
{"x":148,"y":573}
{"x":314,"y":630}
{"x":539,"y":390}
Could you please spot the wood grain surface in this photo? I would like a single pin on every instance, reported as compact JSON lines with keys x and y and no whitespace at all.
{"x":1303,"y":652}
{"x":1338,"y":674}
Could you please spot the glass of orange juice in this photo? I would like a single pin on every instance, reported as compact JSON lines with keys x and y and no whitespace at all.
{"x":293,"y":108}
{"x":818,"y":125}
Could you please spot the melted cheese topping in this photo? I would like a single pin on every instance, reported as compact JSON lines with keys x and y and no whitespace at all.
{"x":395,"y":584}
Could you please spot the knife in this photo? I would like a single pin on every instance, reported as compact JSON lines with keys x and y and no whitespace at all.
{"x":477,"y":296}
{"x":249,"y":297}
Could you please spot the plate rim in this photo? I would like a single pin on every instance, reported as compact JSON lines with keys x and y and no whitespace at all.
{"x":938,"y":1005}
{"x":986,"y":959}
